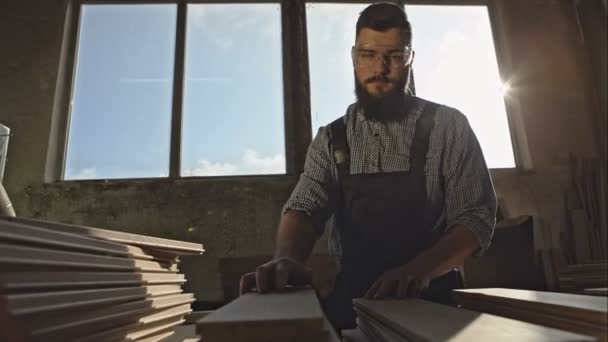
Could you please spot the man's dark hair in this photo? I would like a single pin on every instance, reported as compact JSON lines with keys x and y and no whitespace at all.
{"x":384,"y":16}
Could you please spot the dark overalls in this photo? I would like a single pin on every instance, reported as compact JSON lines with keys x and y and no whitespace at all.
{"x":382,"y":223}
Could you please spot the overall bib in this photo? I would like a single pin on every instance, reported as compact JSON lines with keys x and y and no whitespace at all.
{"x":382,"y":224}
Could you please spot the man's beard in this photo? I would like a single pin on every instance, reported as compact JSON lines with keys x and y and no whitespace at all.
{"x":387,"y":107}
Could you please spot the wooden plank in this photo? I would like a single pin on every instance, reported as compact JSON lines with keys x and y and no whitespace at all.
{"x":66,"y":280}
{"x":157,"y":337}
{"x":419,"y":320}
{"x":29,"y":303}
{"x":33,"y":256}
{"x":377,"y":329}
{"x":592,"y":310}
{"x":81,"y":322}
{"x":156,"y":243}
{"x":354,"y":335}
{"x":19,"y":232}
{"x":600,"y":291}
{"x":537,"y":318}
{"x":11,"y":232}
{"x":291,"y":312}
{"x":133,"y":332}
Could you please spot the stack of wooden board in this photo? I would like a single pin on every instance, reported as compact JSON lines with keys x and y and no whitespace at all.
{"x":418,"y":320}
{"x":291,"y":316}
{"x":63,"y":282}
{"x":575,"y":278}
{"x":571,"y":312}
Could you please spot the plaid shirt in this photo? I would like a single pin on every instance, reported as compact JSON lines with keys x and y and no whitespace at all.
{"x":458,"y":185}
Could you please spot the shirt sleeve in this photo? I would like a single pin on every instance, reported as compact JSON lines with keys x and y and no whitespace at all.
{"x":470,"y":197}
{"x":316,"y":191}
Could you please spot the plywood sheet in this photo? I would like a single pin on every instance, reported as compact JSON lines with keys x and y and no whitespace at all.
{"x":32,"y":256}
{"x":161,"y":244}
{"x":66,"y":280}
{"x":419,"y":320}
{"x":572,"y":306}
{"x":133,"y":332}
{"x":86,"y":321}
{"x":288,"y":313}
{"x":28,"y":303}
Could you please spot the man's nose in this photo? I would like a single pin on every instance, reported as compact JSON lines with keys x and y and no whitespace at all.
{"x":381,"y":65}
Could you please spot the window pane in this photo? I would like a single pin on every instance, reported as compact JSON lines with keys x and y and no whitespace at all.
{"x":233,"y":97}
{"x":121,"y":104}
{"x":331,"y":34}
{"x":455,"y":65}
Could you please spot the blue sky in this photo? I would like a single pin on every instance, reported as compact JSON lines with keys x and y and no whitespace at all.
{"x":233,"y":95}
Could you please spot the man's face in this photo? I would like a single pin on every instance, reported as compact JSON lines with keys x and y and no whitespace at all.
{"x":378,"y":69}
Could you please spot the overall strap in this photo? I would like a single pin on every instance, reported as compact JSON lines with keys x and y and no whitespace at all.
{"x":341,"y":156}
{"x":419,"y":150}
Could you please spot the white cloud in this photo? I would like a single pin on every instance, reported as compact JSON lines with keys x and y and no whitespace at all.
{"x":84,"y":173}
{"x":223,"y":22}
{"x":250,"y":163}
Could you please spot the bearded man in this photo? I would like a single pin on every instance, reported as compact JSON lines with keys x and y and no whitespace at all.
{"x":402,"y":182}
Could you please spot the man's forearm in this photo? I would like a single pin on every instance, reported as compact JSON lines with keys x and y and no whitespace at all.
{"x":448,"y":253}
{"x":295,"y":237}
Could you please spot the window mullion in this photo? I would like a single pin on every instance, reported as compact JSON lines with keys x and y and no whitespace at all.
{"x":296,"y":84}
{"x":178,"y":88}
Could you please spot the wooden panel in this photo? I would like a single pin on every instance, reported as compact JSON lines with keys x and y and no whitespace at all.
{"x":157,"y":337}
{"x":354,"y":335}
{"x":377,"y":330}
{"x":83,"y":322}
{"x":66,"y":280}
{"x":600,"y":291}
{"x":21,"y":304}
{"x":572,"y":312}
{"x":572,"y":306}
{"x":174,"y":246}
{"x":290,"y":313}
{"x":19,"y":232}
{"x":133,"y":332}
{"x":419,"y":320}
{"x":537,"y":318}
{"x":32,"y":256}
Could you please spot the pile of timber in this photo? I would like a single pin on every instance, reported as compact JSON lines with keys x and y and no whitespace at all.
{"x":291,"y":316}
{"x":582,"y":314}
{"x":418,"y":320}
{"x":586,"y":229}
{"x":576,"y":278}
{"x":63,"y":282}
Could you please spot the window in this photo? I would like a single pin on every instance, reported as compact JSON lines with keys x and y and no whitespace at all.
{"x":452,"y":44}
{"x":233,"y":100}
{"x":120,"y":120}
{"x":122,"y":101}
{"x":188,"y":88}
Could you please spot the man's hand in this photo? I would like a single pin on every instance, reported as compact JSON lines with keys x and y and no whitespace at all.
{"x":400,"y":282}
{"x":275,"y":275}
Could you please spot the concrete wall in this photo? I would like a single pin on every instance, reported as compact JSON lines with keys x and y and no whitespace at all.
{"x":238,"y":216}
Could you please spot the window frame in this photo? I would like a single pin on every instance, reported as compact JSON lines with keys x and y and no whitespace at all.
{"x":296,"y":83}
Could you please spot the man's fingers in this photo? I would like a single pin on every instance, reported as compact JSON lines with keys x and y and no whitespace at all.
{"x":247,"y":283}
{"x":402,"y":289}
{"x":372,"y":290}
{"x":281,"y":275}
{"x":262,"y":278}
{"x":386,"y":289}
